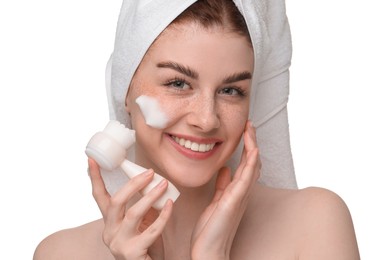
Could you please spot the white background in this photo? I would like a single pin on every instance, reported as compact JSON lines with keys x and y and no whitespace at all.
{"x":52,"y":99}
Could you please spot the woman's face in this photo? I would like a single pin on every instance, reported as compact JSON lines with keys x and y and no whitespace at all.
{"x":201,"y":78}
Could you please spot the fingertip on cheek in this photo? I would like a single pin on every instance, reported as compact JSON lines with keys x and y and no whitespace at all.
{"x":251,"y":134}
{"x":249,"y":126}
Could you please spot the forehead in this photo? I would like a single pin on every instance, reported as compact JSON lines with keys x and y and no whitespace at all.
{"x":193,"y":28}
{"x":191,"y":41}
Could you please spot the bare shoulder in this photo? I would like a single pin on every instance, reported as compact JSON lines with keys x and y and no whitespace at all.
{"x":311,"y":223}
{"x":83,"y":242}
{"x":327,"y":225}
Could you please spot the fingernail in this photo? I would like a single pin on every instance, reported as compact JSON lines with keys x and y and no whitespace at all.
{"x":149,"y":173}
{"x":162,"y":183}
{"x":167,"y":204}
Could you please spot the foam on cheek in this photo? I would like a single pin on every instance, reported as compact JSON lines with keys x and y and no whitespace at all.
{"x":152,"y":112}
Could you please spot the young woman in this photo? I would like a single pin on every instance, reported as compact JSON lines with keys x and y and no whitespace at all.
{"x":202,"y":68}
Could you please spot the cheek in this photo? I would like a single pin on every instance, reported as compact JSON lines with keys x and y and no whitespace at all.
{"x":235,"y":117}
{"x":174,"y":108}
{"x":152,"y":112}
{"x":154,"y":109}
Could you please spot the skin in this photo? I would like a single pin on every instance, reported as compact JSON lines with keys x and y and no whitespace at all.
{"x":197,"y":109}
{"x":216,"y":216}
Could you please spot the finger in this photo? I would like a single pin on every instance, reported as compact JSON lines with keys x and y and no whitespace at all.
{"x":235,"y":193}
{"x":242,"y":162}
{"x":136,"y":213}
{"x":250,"y":143}
{"x":119,"y":200}
{"x":250,"y":172}
{"x":251,"y":166}
{"x":258,"y":167}
{"x":154,"y":230}
{"x":240,"y":187}
{"x":99,"y":192}
{"x":223,"y":180}
{"x":246,"y":134}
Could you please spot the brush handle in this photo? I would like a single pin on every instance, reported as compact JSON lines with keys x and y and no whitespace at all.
{"x":131,"y":169}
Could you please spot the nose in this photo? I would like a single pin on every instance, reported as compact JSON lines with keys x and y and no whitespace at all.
{"x":203,"y":113}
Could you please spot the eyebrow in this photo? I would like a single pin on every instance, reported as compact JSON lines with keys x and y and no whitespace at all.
{"x":194,"y":75}
{"x":179,"y":68}
{"x":237,"y":77}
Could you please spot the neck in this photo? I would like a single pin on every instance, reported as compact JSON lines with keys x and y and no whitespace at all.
{"x":186,"y":212}
{"x":192,"y":202}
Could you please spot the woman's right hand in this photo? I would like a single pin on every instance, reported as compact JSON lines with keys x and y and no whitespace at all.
{"x":131,"y":233}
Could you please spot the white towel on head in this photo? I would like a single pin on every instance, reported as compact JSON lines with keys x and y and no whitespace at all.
{"x":141,"y":21}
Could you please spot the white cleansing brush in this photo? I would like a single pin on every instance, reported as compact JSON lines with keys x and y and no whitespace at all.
{"x":108,"y":149}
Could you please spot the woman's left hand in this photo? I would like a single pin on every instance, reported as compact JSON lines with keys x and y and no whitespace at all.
{"x":213,"y":235}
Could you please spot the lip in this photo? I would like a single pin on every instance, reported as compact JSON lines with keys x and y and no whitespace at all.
{"x":193,"y":154}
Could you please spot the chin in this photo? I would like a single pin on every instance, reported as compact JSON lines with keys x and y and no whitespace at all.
{"x":190,"y":177}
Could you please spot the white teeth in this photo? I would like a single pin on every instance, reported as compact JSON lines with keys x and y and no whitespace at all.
{"x":196,"y":147}
{"x":202,"y":147}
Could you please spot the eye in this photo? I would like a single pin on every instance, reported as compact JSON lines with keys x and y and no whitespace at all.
{"x":232,"y":91}
{"x":178,"y":84}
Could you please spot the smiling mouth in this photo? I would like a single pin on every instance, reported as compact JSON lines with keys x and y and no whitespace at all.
{"x":193,"y":146}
